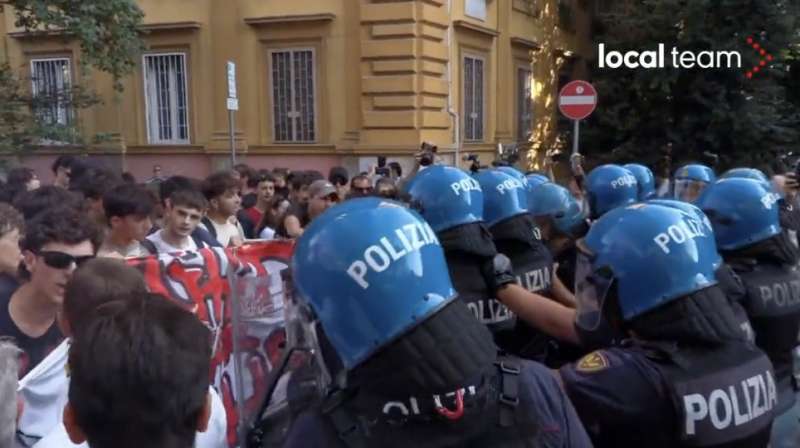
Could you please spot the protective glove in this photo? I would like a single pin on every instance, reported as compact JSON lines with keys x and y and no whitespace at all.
{"x":497,"y":272}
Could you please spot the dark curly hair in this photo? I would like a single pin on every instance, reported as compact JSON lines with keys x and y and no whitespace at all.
{"x":32,"y":203}
{"x":63,"y":225}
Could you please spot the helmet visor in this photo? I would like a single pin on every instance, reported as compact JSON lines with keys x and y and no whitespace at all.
{"x":591,"y":289}
{"x":688,"y":190}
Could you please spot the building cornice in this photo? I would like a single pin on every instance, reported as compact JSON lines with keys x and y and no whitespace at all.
{"x":476,"y":28}
{"x":269,"y":20}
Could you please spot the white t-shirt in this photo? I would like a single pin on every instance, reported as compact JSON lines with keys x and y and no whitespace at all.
{"x":133,"y":250}
{"x":165,"y":248}
{"x":225,"y":232}
{"x":267,"y":234}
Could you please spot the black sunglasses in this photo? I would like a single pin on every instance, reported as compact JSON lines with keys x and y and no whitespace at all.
{"x":60,"y":260}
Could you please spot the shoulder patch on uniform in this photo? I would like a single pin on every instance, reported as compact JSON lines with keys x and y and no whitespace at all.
{"x":593,"y":362}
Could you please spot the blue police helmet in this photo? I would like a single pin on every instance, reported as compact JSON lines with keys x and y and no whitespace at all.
{"x":557,"y":203}
{"x":746,"y":173}
{"x":503,"y":196}
{"x":446,"y":197}
{"x":655,"y":254}
{"x":688,"y":208}
{"x":696,"y":172}
{"x":511,"y":171}
{"x":645,"y":179}
{"x":370,"y":270}
{"x":534,"y":180}
{"x":742,"y":211}
{"x":609,"y":187}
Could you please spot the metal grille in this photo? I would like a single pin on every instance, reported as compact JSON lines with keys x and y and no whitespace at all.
{"x":524,"y":104}
{"x":51,"y":87}
{"x":473,"y":98}
{"x":166,"y":98}
{"x":293,"y":96}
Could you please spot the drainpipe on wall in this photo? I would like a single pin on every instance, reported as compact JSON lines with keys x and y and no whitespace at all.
{"x":450,"y":109}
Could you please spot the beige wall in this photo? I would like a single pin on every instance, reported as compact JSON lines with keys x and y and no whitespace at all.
{"x":386,"y":75}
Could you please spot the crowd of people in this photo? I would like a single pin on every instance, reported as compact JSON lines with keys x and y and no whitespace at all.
{"x":445,"y":308}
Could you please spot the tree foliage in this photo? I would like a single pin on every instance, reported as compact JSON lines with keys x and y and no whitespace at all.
{"x":108,"y":32}
{"x":744,"y":121}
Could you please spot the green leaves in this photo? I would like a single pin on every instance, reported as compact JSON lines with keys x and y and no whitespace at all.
{"x":719,"y":110}
{"x":107,"y":30}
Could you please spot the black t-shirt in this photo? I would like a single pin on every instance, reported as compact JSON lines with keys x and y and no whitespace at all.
{"x":300,"y":211}
{"x":34,"y":350}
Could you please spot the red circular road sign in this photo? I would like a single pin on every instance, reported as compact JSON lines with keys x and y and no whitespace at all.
{"x":577,"y":100}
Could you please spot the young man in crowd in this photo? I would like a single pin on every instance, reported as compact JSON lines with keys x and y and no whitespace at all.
{"x":12,"y":226}
{"x":165,"y":190}
{"x":55,"y":243}
{"x":182,"y":214}
{"x":127,"y":209}
{"x":62,"y":168}
{"x":320,"y":196}
{"x":265,"y":191}
{"x":96,"y":283}
{"x":119,"y":399}
{"x":221,"y":191}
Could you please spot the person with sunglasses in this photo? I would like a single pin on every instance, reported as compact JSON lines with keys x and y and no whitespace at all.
{"x":360,"y":186}
{"x":56,"y":242}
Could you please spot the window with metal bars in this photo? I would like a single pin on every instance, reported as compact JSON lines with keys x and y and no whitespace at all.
{"x":473,"y":98}
{"x":293,"y":93}
{"x":166,"y":100}
{"x":524,"y":104}
{"x":51,"y":88}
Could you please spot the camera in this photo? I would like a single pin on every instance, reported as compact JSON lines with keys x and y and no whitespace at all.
{"x":507,"y":155}
{"x":428,"y":153}
{"x":475,"y":163}
{"x":382,"y":169}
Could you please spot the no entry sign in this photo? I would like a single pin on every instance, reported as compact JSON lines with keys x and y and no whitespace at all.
{"x":577,"y":100}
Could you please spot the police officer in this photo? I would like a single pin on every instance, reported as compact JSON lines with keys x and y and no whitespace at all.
{"x":645,"y":180}
{"x":687,"y":376}
{"x":609,"y":187}
{"x":690,"y":180}
{"x":788,"y":211}
{"x":561,"y":220}
{"x":407,"y":363}
{"x":745,"y":217}
{"x":516,"y":235}
{"x":452,"y":202}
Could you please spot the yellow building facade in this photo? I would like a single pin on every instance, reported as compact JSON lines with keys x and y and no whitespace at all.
{"x":319,"y":82}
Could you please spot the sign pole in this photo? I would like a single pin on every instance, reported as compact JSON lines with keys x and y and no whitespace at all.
{"x":231,"y":123}
{"x":575,"y":136}
{"x":233,"y":106}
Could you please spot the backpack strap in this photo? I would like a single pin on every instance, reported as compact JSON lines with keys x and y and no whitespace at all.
{"x":149,"y":246}
{"x":209,"y":226}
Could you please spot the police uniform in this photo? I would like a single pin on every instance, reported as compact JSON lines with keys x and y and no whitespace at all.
{"x":773,"y":304}
{"x":467,"y":248}
{"x":542,"y":417}
{"x":636,"y":395}
{"x":518,"y":238}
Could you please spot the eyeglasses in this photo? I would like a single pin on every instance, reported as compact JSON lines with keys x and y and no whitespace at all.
{"x":60,"y":260}
{"x":364,"y":190}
